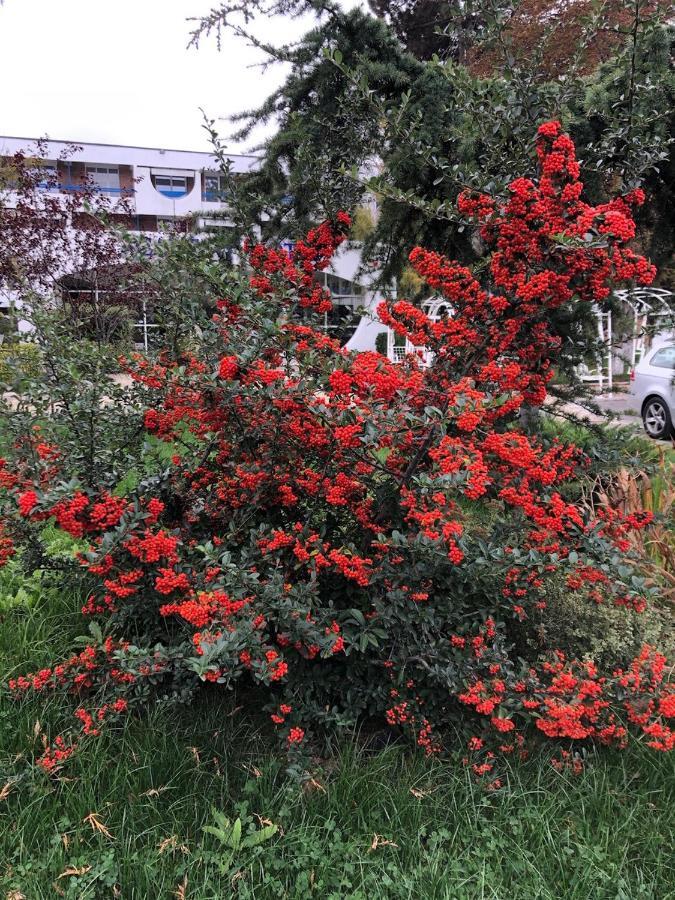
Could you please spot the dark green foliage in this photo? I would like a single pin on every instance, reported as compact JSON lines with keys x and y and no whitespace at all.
{"x":355,"y":95}
{"x":324,"y":124}
{"x":625,"y":117}
{"x":381,"y":343}
{"x":432,"y":27}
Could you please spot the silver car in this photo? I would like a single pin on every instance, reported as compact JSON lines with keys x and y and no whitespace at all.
{"x":653,"y":389}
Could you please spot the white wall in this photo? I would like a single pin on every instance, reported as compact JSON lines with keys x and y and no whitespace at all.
{"x":346,"y":264}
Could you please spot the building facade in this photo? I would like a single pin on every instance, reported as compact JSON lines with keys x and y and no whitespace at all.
{"x":159,"y":186}
{"x":170,"y":190}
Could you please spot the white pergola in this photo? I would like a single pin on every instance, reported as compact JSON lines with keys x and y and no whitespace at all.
{"x":601,"y":374}
{"x":436,"y":308}
{"x":653,"y":309}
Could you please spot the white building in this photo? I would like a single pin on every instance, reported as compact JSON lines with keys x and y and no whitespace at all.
{"x":160,"y":186}
{"x":163,"y":188}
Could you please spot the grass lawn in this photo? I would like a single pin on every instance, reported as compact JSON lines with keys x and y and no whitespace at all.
{"x":385,"y":824}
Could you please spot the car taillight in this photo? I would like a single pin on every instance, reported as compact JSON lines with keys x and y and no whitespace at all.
{"x":632,"y":375}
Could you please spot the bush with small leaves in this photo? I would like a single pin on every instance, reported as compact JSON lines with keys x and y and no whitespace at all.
{"x":360,"y":539}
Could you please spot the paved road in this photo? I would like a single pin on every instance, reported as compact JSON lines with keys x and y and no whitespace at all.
{"x":620,"y":402}
{"x":623,"y":403}
{"x":628,"y":408}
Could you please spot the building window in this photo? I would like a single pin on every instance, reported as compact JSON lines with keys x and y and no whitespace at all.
{"x":215,"y":188}
{"x":348,"y":298}
{"x":171,"y":185}
{"x":104,"y":178}
{"x":340,"y":287}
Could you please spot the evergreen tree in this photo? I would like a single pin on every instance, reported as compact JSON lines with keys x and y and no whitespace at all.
{"x":428,"y":27}
{"x":356,"y":100}
{"x":324,"y":122}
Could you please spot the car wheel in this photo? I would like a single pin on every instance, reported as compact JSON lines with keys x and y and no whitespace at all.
{"x":656,"y":418}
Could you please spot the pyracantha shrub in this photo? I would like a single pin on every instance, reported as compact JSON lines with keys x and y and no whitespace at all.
{"x":363,"y":539}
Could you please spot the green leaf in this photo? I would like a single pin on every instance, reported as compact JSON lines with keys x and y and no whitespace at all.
{"x":217,"y":832}
{"x":235,"y":835}
{"x":259,"y":837}
{"x":358,"y":615}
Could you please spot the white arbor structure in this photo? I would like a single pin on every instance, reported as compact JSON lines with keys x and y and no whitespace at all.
{"x":436,"y":308}
{"x":653,"y":316}
{"x":653,"y":313}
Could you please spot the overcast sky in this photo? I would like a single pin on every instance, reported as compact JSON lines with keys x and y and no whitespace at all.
{"x":119,"y":71}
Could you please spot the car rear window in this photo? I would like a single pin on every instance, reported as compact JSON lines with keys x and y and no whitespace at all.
{"x":664,"y":358}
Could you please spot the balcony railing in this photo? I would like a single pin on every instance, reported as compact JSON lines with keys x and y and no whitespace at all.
{"x":50,"y":186}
